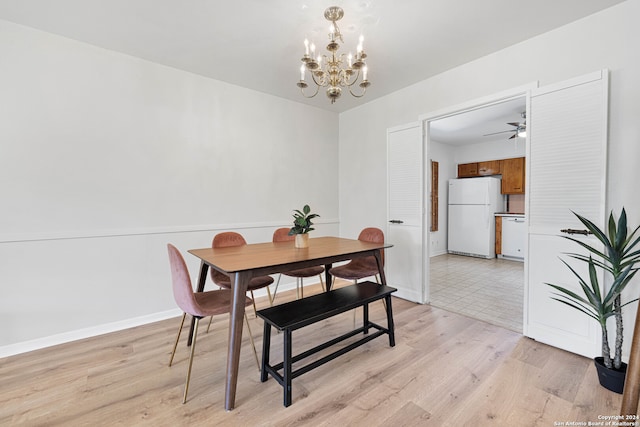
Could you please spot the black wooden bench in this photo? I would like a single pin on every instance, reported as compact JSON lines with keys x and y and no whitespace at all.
{"x":303,"y":312}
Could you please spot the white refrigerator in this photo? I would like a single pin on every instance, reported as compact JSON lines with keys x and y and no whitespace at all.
{"x":471,"y":222}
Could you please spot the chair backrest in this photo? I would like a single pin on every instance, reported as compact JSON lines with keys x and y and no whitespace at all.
{"x":182,"y":288}
{"x":373,"y":235}
{"x":228,"y":239}
{"x":282,"y":235}
{"x":225,"y":240}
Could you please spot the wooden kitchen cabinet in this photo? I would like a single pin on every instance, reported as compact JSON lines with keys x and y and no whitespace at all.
{"x":467,"y":170}
{"x":491,"y":167}
{"x":513,"y":176}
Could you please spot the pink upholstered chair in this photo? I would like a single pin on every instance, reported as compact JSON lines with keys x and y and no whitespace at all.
{"x":282,"y":235}
{"x":229,"y":239}
{"x":197,"y":305}
{"x":360,"y":268}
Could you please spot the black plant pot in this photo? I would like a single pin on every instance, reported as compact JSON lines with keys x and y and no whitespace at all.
{"x":611,"y":379}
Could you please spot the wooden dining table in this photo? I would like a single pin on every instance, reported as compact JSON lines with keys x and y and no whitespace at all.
{"x":241,"y":263}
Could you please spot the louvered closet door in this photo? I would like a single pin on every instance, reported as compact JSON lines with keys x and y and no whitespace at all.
{"x":405,"y":211}
{"x":567,"y":172}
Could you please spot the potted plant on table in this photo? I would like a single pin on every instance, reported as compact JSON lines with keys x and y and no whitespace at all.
{"x":302,"y":225}
{"x":617,"y":258}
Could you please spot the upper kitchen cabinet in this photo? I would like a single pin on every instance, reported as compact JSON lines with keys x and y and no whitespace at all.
{"x":491,"y":167}
{"x":513,"y":176}
{"x":467,"y":170}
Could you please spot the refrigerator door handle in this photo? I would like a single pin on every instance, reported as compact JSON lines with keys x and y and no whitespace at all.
{"x":487,"y":217}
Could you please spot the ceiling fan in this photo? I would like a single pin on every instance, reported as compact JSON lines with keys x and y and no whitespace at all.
{"x":520,"y":130}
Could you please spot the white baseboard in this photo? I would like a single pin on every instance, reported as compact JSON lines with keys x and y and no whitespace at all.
{"x":79,"y":334}
{"x":432,"y":254}
{"x":37,"y":344}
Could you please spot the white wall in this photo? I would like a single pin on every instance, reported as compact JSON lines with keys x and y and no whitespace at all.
{"x":104,"y":158}
{"x":603,"y":40}
{"x":495,"y":150}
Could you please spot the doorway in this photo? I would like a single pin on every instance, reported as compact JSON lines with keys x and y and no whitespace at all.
{"x":491,"y":289}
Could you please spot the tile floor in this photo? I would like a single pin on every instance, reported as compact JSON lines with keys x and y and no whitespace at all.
{"x":486,"y":289}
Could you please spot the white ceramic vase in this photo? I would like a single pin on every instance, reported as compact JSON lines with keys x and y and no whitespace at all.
{"x":302,"y":240}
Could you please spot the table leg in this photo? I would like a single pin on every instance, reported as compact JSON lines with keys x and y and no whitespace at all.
{"x":202,"y":278}
{"x":328,"y":278}
{"x":378,"y":255}
{"x":239,"y":284}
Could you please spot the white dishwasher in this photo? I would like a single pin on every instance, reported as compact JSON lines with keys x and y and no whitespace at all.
{"x":514,"y":236}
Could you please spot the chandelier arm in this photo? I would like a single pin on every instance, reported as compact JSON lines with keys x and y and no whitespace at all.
{"x":310,"y":96}
{"x":364,"y":90}
{"x":313,"y":77}
{"x":346,"y":80}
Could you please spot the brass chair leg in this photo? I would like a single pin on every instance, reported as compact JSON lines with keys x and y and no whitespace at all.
{"x":253,"y":299}
{"x":175,"y":346}
{"x":269,"y":295}
{"x":383,"y":300}
{"x":324,"y":289}
{"x":209,"y":325}
{"x":193,"y":349}
{"x":301,"y":286}
{"x":253,"y":344}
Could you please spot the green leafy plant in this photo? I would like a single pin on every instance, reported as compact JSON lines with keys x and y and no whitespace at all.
{"x":302,"y":221}
{"x":617,"y":258}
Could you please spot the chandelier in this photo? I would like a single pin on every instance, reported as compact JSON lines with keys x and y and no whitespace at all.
{"x":330,"y":71}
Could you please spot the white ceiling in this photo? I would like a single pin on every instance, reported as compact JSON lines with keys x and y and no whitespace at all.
{"x":474,"y":126}
{"x":258,"y":43}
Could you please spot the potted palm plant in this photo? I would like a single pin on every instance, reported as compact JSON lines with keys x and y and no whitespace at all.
{"x":617,"y":258}
{"x":302,"y":225}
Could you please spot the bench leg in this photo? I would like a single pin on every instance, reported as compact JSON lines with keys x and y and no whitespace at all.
{"x":287,"y":368}
{"x":365,"y":318}
{"x":266,"y":346}
{"x":392,"y":337}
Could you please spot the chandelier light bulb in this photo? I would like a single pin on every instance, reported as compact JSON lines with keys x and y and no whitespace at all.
{"x":364,"y":73}
{"x":302,"y":72}
{"x":306,"y":47}
{"x":349,"y":59}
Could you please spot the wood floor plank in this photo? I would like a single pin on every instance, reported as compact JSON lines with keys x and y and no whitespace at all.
{"x":445,"y":370}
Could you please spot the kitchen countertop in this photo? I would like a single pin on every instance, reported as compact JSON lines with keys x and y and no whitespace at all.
{"x":509,"y":214}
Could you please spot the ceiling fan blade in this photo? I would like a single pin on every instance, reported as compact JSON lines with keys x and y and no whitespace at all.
{"x":513,"y":136}
{"x":496,"y":133}
{"x":514,"y":124}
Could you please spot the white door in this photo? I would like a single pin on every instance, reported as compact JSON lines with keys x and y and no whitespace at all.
{"x":566,"y":172}
{"x":405,"y":168}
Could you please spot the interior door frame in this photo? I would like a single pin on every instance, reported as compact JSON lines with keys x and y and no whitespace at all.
{"x":426,"y":119}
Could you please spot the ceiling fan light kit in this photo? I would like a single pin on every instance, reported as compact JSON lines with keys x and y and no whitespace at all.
{"x":332,"y":71}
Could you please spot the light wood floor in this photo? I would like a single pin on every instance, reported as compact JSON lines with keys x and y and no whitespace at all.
{"x":445,"y":370}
